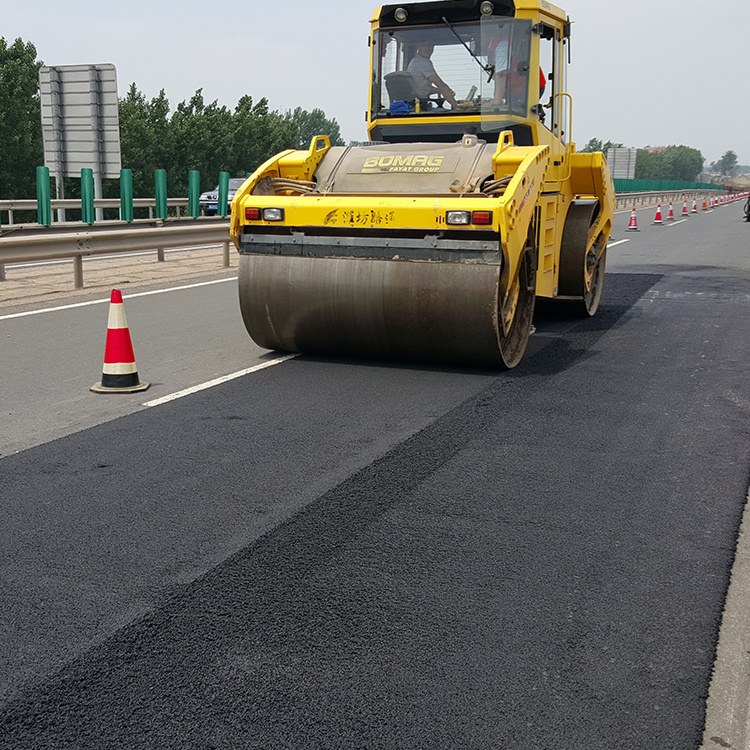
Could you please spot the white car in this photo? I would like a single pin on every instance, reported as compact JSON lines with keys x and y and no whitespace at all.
{"x":209,"y":201}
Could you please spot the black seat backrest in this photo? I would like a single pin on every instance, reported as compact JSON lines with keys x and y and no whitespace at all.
{"x":400,"y":85}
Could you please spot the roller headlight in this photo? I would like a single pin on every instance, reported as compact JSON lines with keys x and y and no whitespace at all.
{"x":273,"y":214}
{"x":458,"y":217}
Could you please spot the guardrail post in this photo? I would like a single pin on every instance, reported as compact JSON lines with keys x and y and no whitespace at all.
{"x":126,"y":195}
{"x":160,"y":254}
{"x":88,"y":212}
{"x":160,"y":180}
{"x":43,"y":198}
{"x":223,"y":193}
{"x":2,"y":272}
{"x":78,"y":271}
{"x":194,"y":193}
{"x":226,"y":254}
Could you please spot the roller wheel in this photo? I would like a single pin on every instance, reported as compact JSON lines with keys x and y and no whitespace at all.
{"x":444,"y":312}
{"x":520,"y":305}
{"x":581,"y":270}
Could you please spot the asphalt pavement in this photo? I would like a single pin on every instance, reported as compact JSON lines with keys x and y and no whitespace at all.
{"x":338,"y":554}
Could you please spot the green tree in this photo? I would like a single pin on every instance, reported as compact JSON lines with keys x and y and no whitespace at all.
{"x":200,"y":137}
{"x":257,"y":134}
{"x":727,"y":165}
{"x":310,"y":124}
{"x":144,"y":138}
{"x":21,"y":149}
{"x":672,"y":163}
{"x":595,"y":144}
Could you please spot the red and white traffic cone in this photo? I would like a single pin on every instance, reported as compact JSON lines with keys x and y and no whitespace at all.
{"x":670,"y":213}
{"x":694,"y":209}
{"x":684,"y":210}
{"x":633,"y":225}
{"x":119,"y":374}
{"x":657,"y":218}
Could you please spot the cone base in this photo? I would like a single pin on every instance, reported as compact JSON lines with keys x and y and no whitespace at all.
{"x":99,"y":388}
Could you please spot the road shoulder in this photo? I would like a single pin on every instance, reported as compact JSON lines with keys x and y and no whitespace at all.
{"x":728,"y":706}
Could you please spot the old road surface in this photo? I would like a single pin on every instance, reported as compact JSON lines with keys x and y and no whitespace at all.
{"x":356,"y":554}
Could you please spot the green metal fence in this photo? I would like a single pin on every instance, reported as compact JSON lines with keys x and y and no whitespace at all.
{"x":642,"y":186}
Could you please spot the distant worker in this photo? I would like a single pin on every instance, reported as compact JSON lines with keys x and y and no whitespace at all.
{"x":426,"y":79}
{"x":503,"y":70}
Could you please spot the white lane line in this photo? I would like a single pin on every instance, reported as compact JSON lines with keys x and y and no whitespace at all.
{"x":619,"y":242}
{"x":218,"y":381}
{"x":127,"y":296}
{"x":674,"y":224}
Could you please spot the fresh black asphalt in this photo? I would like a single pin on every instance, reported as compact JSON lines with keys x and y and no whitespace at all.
{"x":542,"y":566}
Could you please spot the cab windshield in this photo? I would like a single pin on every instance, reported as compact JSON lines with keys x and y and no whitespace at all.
{"x":464,"y":68}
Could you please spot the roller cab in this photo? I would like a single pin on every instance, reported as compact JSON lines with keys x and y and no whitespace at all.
{"x":431,"y":241}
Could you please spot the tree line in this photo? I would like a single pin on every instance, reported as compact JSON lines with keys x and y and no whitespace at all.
{"x":208,"y":137}
{"x":670,"y":163}
{"x":196,"y":135}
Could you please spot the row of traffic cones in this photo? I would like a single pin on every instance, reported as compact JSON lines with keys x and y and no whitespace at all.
{"x":707,"y":203}
{"x":633,"y":224}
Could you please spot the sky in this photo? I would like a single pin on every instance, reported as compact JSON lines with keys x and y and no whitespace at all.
{"x":643,"y":73}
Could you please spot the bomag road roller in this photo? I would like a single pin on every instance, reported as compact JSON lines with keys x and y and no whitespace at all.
{"x":432,"y":240}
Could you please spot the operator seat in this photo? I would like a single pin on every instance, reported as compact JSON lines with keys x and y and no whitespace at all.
{"x":400,"y":86}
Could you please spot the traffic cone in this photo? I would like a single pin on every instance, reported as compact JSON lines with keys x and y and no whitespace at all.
{"x":119,"y":374}
{"x":705,"y":207}
{"x":633,"y":225}
{"x":657,"y":218}
{"x":684,"y":209}
{"x":670,"y":213}
{"x":694,"y":209}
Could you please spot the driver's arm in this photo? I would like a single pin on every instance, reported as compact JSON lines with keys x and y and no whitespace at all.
{"x":444,"y":89}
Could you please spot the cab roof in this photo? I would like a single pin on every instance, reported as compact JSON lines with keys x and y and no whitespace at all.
{"x":458,"y":11}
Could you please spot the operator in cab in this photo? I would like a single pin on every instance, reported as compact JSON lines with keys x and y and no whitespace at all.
{"x":426,"y":79}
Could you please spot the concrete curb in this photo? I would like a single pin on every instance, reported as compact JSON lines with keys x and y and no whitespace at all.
{"x":728,"y":705}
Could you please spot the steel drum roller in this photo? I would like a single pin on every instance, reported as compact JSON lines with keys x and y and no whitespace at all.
{"x":425,"y":311}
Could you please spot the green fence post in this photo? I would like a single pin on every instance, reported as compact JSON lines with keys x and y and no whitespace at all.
{"x":194,"y":193}
{"x":160,"y":178}
{"x":126,"y":195}
{"x":88,"y":212}
{"x":222,"y":210}
{"x":43,"y":199}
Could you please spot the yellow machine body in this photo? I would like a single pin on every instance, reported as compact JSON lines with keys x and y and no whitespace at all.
{"x":432,"y":241}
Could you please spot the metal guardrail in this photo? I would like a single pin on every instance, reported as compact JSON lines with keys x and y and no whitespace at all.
{"x":651,"y":197}
{"x":27,"y":245}
{"x":74,"y":204}
{"x":23,"y":243}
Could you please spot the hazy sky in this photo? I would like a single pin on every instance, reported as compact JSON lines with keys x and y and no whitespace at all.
{"x":643,"y":72}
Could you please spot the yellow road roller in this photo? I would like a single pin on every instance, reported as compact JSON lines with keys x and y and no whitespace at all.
{"x":431,"y":241}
